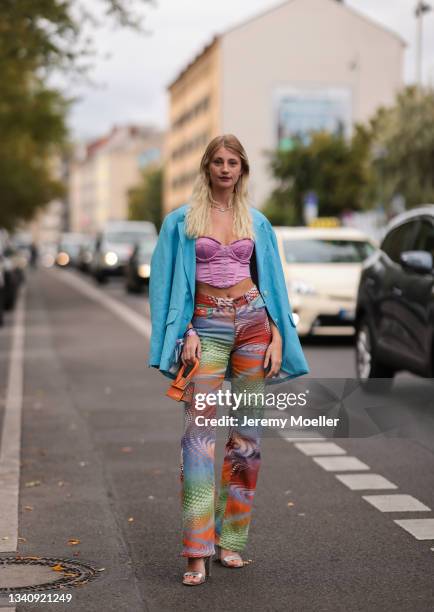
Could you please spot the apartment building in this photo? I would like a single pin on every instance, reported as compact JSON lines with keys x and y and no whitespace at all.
{"x":303,"y":65}
{"x":103,"y":172}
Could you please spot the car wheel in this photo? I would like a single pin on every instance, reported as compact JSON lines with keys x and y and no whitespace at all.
{"x":372,"y":374}
{"x":1,"y":308}
{"x":101,"y":278}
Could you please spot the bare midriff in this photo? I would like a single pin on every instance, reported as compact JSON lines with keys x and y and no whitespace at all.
{"x":227,"y":292}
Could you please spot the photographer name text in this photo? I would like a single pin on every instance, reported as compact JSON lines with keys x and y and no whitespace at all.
{"x":292,"y":421}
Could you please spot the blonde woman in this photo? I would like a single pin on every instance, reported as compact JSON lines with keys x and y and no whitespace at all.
{"x":217,"y":289}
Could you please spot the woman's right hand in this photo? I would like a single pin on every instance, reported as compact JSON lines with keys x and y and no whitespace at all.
{"x":191,"y":349}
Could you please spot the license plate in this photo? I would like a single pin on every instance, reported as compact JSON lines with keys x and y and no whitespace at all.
{"x":347,"y":315}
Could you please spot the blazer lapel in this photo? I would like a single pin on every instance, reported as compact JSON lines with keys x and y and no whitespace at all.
{"x":188,"y":246}
{"x":260,"y":243}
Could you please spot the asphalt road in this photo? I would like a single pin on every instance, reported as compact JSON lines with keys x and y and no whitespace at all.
{"x":101,"y":442}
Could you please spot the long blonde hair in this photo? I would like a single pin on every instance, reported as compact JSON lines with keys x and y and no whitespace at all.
{"x":198,"y":217}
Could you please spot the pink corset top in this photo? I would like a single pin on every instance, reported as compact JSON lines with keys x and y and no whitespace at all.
{"x":222,"y":265}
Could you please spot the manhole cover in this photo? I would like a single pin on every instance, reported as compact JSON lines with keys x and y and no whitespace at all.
{"x":42,"y":574}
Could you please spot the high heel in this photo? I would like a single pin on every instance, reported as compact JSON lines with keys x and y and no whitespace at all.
{"x":228,"y":560}
{"x":202,"y":577}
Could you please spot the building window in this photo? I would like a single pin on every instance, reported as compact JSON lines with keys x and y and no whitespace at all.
{"x":199,"y":108}
{"x":187,"y":147}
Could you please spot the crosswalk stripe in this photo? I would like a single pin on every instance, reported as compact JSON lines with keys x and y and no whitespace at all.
{"x":357,"y":482}
{"x":396,"y":503}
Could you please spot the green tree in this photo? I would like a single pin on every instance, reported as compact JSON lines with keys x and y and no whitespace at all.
{"x":334,"y":168}
{"x":38,"y":38}
{"x":145,"y":201}
{"x":402,"y":148}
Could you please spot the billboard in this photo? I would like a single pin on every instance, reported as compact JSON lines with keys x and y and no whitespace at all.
{"x":300,"y":110}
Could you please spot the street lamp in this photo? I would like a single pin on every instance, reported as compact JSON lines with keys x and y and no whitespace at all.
{"x":420,"y":10}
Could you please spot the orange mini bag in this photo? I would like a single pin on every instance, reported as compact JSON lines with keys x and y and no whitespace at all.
{"x":181,"y":388}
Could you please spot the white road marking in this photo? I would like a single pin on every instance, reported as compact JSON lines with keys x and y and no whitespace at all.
{"x":396,"y":503}
{"x":340,"y":464}
{"x":320,"y":448}
{"x":128,"y":315}
{"x":421,"y":529}
{"x":296,"y":438}
{"x":10,"y":445}
{"x":356,"y":482}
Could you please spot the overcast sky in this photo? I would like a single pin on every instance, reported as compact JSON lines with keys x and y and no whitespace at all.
{"x":132,"y":81}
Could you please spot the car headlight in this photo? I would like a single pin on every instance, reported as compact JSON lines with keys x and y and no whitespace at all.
{"x":111,"y":259}
{"x":144,"y":270}
{"x":295,"y":318}
{"x":301,"y":287}
{"x":47,"y":260}
{"x":62,"y":258}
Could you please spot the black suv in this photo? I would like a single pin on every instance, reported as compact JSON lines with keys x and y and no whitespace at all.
{"x":395,"y":303}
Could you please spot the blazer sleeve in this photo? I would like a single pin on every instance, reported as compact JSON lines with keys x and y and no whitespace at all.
{"x":160,"y":286}
{"x":278,"y":269}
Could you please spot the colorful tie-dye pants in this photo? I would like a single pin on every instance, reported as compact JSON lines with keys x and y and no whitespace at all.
{"x":235,"y":330}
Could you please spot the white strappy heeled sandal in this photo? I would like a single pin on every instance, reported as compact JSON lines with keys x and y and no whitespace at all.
{"x":233,"y":560}
{"x":196,"y":574}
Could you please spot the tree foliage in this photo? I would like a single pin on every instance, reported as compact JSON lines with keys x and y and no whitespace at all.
{"x":37,"y":38}
{"x":334,"y":168}
{"x":145,"y":200}
{"x":402,"y":148}
{"x":392,"y":155}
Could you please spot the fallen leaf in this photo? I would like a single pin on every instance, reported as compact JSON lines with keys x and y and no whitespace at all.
{"x":60,"y":483}
{"x":73,"y":542}
{"x":71,"y":574}
{"x":131,"y":519}
{"x":291,"y":504}
{"x":22,"y":540}
{"x":28,"y":508}
{"x":101,"y":569}
{"x":5,"y":538}
{"x":33,"y":483}
{"x":58,"y":568}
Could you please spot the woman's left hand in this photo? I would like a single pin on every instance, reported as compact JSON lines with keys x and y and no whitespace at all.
{"x":274,"y":356}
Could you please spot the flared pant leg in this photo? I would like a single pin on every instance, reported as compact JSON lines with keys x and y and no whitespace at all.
{"x":198,"y":442}
{"x":242,"y":452}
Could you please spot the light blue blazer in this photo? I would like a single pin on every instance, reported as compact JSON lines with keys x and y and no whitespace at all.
{"x":172,"y":290}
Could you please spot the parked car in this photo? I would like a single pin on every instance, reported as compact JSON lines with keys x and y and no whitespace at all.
{"x":13,"y":264}
{"x":2,"y":291}
{"x":69,"y":246}
{"x":22,"y":242}
{"x":115,"y":244}
{"x":395,"y":303}
{"x":322,"y":268}
{"x":138,"y":269}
